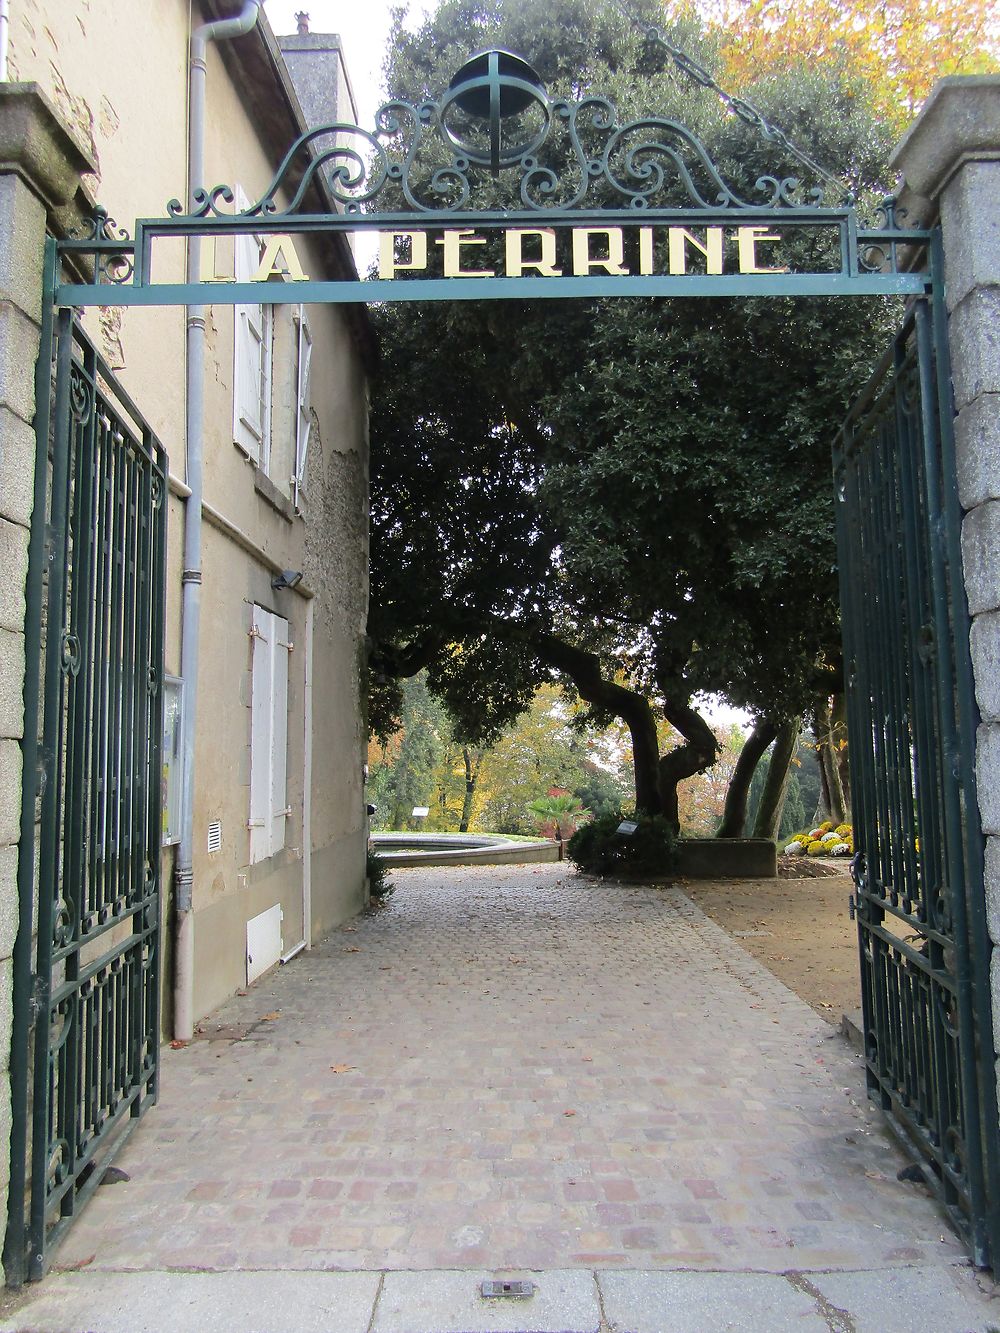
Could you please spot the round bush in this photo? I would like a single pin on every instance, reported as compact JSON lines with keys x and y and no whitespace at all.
{"x":598,"y":848}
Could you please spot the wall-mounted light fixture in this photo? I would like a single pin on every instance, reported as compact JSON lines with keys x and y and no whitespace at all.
{"x":288,"y":578}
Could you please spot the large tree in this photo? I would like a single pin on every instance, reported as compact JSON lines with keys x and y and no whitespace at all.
{"x":634,"y":496}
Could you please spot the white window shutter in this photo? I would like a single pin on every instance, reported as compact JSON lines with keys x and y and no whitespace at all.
{"x":251,"y":378}
{"x":261,"y":710}
{"x":279,"y":732}
{"x":303,"y":421}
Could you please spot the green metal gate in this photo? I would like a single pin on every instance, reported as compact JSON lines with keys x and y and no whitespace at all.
{"x":85,"y":1053}
{"x":928,"y":1036}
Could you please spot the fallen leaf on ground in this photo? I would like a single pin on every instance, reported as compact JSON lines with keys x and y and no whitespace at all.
{"x":352,"y":948}
{"x":177,"y":1045}
{"x":569,"y":1113}
{"x":269,"y":1018}
{"x":587,"y":1059}
{"x":342,"y":1069}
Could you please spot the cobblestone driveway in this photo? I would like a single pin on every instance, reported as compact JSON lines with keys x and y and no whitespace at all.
{"x":513,"y":1068}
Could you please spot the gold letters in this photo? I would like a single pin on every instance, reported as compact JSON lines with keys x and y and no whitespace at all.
{"x":584,"y":262}
{"x":679,"y":238}
{"x":452,"y":242}
{"x":279,"y":260}
{"x":388,"y":266}
{"x":617,"y":251}
{"x":747,"y":239}
{"x":515,"y":262}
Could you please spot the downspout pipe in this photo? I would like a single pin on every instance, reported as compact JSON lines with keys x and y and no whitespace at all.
{"x":201,"y":36}
{"x":4,"y":37}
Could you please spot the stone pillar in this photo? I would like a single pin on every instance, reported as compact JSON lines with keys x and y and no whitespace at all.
{"x":950,"y":160}
{"x":40,"y":170}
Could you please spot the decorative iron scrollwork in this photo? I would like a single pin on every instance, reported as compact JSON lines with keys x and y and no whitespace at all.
{"x":604,"y":161}
{"x":72,"y":654}
{"x":81,"y":396}
{"x":112,"y":264}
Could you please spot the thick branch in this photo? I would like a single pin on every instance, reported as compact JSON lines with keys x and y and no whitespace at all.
{"x":584,"y":670}
{"x":700,"y":752}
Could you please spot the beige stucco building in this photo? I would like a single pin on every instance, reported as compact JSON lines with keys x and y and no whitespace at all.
{"x":279,"y":825}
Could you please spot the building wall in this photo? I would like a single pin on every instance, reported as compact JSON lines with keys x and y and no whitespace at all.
{"x":122,"y":86}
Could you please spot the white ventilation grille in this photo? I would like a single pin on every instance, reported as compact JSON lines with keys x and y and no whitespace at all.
{"x":215,"y":836}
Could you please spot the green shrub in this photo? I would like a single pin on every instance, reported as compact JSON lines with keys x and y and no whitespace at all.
{"x":599,"y":849}
{"x":379,"y":885}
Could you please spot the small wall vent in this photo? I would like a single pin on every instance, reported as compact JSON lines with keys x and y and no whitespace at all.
{"x":263,"y":942}
{"x":215,"y":836}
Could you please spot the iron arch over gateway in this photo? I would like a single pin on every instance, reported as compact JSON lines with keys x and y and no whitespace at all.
{"x":597,"y":207}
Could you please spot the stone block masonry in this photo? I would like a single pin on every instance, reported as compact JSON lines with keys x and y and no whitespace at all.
{"x":40,"y":171}
{"x":951,"y":158}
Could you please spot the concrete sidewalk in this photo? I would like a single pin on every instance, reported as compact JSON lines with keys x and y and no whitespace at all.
{"x":936,"y":1299}
{"x":507,"y":1070}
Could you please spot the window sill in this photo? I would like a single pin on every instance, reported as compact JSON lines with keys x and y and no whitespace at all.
{"x":267,"y":490}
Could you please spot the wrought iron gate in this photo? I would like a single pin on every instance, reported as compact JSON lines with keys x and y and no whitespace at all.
{"x":85,"y":1057}
{"x":928,"y":1033}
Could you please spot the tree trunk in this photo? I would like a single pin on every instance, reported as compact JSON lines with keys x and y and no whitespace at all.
{"x":834,"y":806}
{"x":772,"y":798}
{"x":584,"y":669}
{"x":471,"y":778}
{"x":700,"y":752}
{"x":734,"y":813}
{"x":839,"y":719}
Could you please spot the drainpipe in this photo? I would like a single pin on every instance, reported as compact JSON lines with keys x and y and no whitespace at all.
{"x":191,"y":576}
{"x":4,"y":37}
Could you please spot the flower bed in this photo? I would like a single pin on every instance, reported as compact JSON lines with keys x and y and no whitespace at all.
{"x":825,"y":840}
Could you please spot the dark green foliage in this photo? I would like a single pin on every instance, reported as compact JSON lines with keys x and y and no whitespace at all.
{"x":647,"y":480}
{"x":600,"y":791}
{"x":379,"y":884}
{"x":409,"y":781}
{"x":598,"y":848}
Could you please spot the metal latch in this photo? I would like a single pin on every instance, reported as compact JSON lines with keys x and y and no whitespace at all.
{"x":512,"y":1290}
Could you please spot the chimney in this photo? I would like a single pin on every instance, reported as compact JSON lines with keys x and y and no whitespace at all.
{"x":315,"y":64}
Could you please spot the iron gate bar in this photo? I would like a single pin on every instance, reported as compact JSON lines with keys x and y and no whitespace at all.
{"x":912,"y":719}
{"x":92,"y":1005}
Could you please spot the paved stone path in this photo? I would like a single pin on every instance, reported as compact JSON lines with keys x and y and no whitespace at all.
{"x":511,"y":1068}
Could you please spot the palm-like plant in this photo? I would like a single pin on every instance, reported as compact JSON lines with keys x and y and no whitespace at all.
{"x":565,"y":812}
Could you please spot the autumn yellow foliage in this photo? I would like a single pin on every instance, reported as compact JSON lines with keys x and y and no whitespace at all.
{"x":900,"y":48}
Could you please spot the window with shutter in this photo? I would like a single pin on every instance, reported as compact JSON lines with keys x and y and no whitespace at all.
{"x":268,"y":734}
{"x":303,"y":414}
{"x":252,"y":334}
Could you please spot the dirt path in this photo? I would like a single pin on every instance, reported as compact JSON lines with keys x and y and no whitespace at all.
{"x":798,"y":928}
